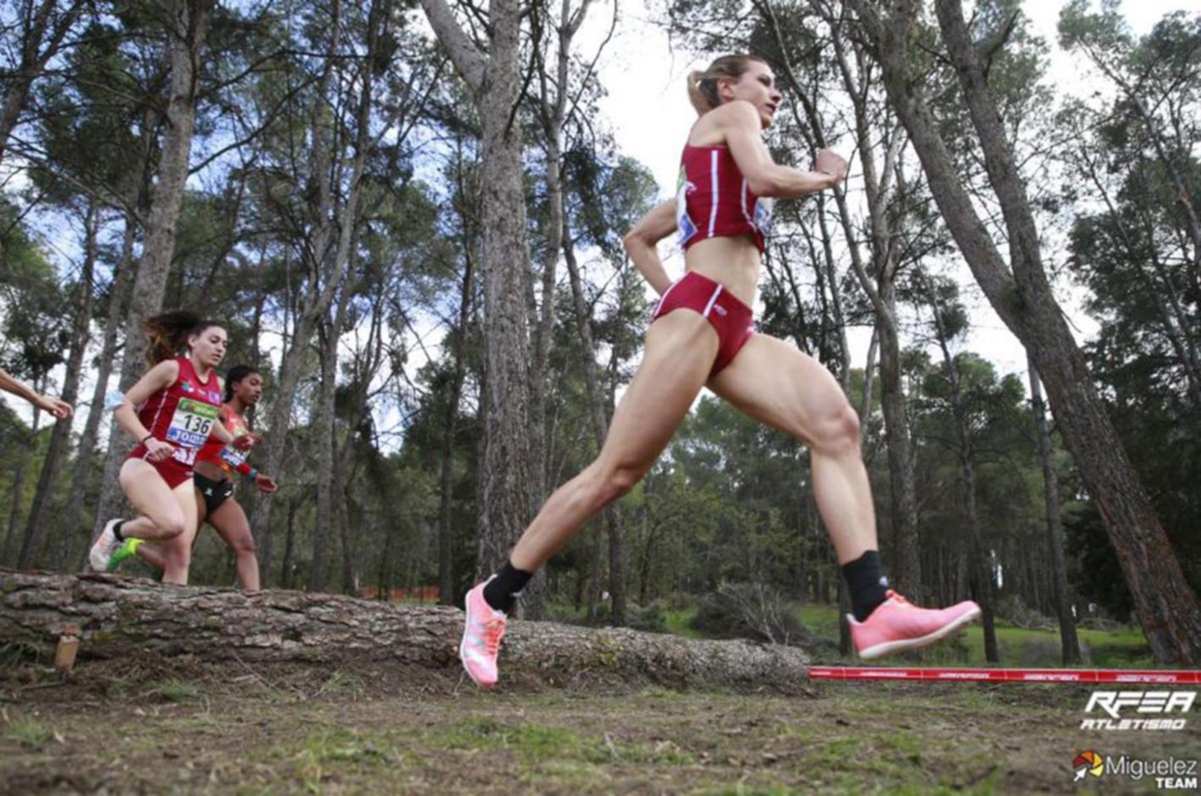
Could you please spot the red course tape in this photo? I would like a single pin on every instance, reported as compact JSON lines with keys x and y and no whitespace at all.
{"x":1165,"y":676}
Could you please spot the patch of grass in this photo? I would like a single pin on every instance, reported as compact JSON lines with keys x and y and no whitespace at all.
{"x":750,"y":790}
{"x":16,"y":653}
{"x":342,"y":683}
{"x":822,"y":620}
{"x":1022,"y":647}
{"x":529,"y":741}
{"x":177,"y":691}
{"x":29,"y":732}
{"x":679,"y":622}
{"x":534,"y":743}
{"x":330,"y":752}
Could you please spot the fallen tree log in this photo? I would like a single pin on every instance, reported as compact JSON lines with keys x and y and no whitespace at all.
{"x":120,"y":616}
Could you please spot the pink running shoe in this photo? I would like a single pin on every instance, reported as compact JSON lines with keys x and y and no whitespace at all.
{"x":897,"y":625}
{"x":481,"y":638}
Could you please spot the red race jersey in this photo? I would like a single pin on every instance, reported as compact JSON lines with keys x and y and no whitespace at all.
{"x":184,"y":413}
{"x":713,"y":199}
{"x":227,"y":457}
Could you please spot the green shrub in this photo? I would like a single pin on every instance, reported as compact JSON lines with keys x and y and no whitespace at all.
{"x":751,"y":611}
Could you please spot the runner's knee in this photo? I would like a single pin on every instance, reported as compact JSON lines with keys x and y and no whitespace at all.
{"x":244,"y":546}
{"x":172,"y":525}
{"x":837,"y":431}
{"x":614,"y":482}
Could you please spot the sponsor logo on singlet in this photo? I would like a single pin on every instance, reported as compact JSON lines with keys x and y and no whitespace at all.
{"x":763,"y":215}
{"x":683,"y":221}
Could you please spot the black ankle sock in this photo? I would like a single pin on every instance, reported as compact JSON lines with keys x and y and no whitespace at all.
{"x":501,"y":592}
{"x":866,"y":582}
{"x":117,"y":531}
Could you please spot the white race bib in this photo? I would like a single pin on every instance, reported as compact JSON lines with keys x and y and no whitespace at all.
{"x":191,"y":423}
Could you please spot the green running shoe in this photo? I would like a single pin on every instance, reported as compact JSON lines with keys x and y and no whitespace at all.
{"x":128,"y":549}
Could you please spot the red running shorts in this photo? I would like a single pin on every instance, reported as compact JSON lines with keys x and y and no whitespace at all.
{"x":174,"y":472}
{"x":733,"y":321}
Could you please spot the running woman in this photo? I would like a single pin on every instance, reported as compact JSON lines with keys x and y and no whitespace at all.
{"x":177,"y":404}
{"x":701,"y":335}
{"x":215,"y":465}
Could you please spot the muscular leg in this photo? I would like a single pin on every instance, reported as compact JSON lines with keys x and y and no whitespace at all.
{"x":776,"y":384}
{"x":153,"y":553}
{"x":162,"y":518}
{"x":680,"y":348}
{"x":177,"y":552}
{"x":234,"y":528}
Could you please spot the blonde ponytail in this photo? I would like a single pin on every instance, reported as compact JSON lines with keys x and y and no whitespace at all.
{"x":702,"y":86}
{"x":700,"y":91}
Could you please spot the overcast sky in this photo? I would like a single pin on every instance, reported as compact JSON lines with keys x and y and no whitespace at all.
{"x":648,"y":107}
{"x":648,"y":110}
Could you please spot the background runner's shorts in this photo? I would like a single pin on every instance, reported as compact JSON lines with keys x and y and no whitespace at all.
{"x":172,"y":471}
{"x":214,"y":492}
{"x":733,"y":320}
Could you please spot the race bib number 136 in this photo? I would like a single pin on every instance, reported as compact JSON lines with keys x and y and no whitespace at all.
{"x":191,"y":423}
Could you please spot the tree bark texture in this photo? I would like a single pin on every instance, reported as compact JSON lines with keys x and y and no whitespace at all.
{"x":72,"y":524}
{"x":980,"y":558}
{"x":327,"y":257}
{"x":60,"y":438}
{"x":189,"y":20}
{"x":495,"y":83}
{"x":1167,"y":608}
{"x":610,"y":519}
{"x":124,"y":617}
{"x":1059,"y":575}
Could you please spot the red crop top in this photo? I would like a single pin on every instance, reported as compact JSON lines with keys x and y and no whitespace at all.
{"x":713,"y":199}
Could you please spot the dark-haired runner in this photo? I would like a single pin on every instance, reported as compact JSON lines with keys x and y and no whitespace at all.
{"x":170,"y":411}
{"x":215,"y":465}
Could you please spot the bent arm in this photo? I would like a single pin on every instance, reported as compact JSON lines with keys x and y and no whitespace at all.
{"x":742,"y":129}
{"x":159,"y":377}
{"x":640,"y":243}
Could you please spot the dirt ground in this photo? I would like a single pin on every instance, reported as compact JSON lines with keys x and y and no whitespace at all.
{"x":181,"y":727}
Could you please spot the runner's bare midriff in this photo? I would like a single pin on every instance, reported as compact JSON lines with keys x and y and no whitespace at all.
{"x":732,"y":262}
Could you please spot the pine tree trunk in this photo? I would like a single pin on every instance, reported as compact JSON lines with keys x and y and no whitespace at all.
{"x":189,"y":22}
{"x":330,"y":252}
{"x":286,"y":577}
{"x":1059,"y":575}
{"x":323,"y":433}
{"x":1167,"y":608}
{"x":980,"y":558}
{"x":446,"y":580}
{"x":495,"y":83}
{"x":73,"y":525}
{"x":907,"y":566}
{"x":506,"y":470}
{"x":60,"y":438}
{"x":610,"y":520}
{"x":20,"y":464}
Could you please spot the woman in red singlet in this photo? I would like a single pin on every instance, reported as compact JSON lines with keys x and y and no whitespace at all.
{"x":701,"y":335}
{"x":170,"y":411}
{"x":216,"y":464}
